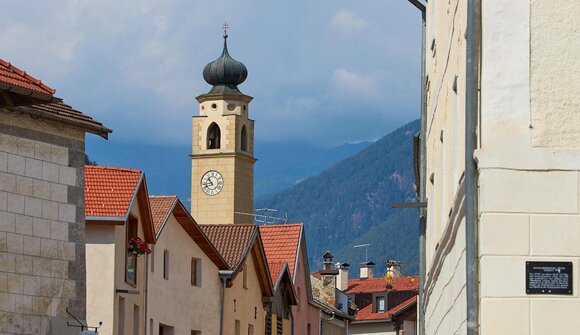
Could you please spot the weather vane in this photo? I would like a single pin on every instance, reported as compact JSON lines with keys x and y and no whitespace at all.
{"x":225,"y":27}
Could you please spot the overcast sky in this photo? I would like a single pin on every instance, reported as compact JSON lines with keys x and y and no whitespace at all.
{"x":321,"y":71}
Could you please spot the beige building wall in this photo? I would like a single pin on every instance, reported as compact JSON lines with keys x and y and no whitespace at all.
{"x":42,"y":262}
{"x":528,"y":159}
{"x":244,"y":304}
{"x":381,"y":328}
{"x":128,"y":309}
{"x":175,"y":302}
{"x":236,"y":166}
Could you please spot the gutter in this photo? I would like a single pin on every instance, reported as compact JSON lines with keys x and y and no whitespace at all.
{"x":225,"y":276}
{"x":473,"y":45}
{"x":422,"y":171}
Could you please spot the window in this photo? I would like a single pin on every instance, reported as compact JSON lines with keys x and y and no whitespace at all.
{"x":195,"y":332}
{"x":165,"y":330}
{"x":237,"y":327}
{"x":213,"y":136}
{"x":135,"y":320}
{"x":195,"y":272}
{"x":131,"y":262}
{"x":244,"y":139}
{"x":151,"y":324}
{"x":380,"y":304}
{"x":166,"y":264}
{"x":152,"y":257}
{"x":121,"y":324}
{"x":309,"y":329}
{"x":250,"y":329}
{"x":245,"y":276}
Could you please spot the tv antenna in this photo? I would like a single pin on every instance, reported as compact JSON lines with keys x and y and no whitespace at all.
{"x":267,"y":218}
{"x":366,"y":246}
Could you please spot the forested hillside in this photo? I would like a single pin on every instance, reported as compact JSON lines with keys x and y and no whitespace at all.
{"x":351,"y":203}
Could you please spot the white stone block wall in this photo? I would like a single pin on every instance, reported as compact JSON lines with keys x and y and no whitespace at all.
{"x":41,"y":225}
{"x":528,"y":160}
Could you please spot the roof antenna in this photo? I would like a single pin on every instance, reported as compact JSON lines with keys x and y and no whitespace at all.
{"x":266,"y":218}
{"x":366,"y":246}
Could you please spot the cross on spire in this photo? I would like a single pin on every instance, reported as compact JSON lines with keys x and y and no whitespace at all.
{"x":225,"y":28}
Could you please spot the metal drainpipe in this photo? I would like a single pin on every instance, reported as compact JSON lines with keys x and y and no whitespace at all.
{"x":222,"y":294}
{"x":471,"y":111}
{"x":423,"y":169}
{"x":224,"y":276}
{"x":146,"y":291}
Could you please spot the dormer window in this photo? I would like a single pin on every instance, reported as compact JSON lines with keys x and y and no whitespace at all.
{"x":213,"y":136}
{"x":380,"y":304}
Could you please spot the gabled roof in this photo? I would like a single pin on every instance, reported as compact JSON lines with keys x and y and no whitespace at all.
{"x":232,"y":241}
{"x":371,"y":285}
{"x":18,"y":82}
{"x":281,"y":244}
{"x":161,"y":208}
{"x":111,"y":191}
{"x":366,"y":313}
{"x":164,"y":206}
{"x":235,"y":242}
{"x":64,"y":113}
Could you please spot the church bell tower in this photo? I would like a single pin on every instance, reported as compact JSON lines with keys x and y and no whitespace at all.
{"x":222,"y":150}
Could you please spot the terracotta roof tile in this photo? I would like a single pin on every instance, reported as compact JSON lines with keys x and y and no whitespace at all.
{"x":230,"y":240}
{"x":161,"y":206}
{"x":366,"y":313}
{"x":281,"y":245}
{"x":109,"y":190}
{"x":65,"y":113}
{"x":12,"y":76}
{"x":275,"y":270}
{"x":403,"y":283}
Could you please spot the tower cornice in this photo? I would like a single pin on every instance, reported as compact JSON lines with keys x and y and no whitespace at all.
{"x":238,"y":97}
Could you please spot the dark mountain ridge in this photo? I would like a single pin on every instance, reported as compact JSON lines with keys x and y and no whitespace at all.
{"x":351,"y":203}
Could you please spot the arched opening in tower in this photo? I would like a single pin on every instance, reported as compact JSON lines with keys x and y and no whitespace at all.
{"x":213,"y":136}
{"x":244,"y":139}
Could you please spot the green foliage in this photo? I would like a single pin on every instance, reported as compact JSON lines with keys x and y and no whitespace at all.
{"x":351,"y":203}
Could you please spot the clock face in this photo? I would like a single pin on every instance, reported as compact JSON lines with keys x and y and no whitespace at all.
{"x":212,"y":182}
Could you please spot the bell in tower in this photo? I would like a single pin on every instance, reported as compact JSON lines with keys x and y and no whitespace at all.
{"x":222,"y":155}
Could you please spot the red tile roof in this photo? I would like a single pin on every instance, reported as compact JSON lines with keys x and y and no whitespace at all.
{"x":109,"y":190}
{"x":62,"y":112}
{"x":161,"y":207}
{"x":366,"y":313}
{"x":371,"y":285}
{"x":231,"y":240}
{"x":281,"y":246}
{"x":14,"y":79}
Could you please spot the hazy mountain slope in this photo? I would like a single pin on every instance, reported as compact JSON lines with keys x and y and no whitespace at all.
{"x":351,"y":203}
{"x":282,"y":165}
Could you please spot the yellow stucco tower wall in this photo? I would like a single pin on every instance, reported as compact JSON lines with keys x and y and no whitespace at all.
{"x":233,"y":159}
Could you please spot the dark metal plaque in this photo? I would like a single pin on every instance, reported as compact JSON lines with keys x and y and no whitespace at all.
{"x":549,"y":278}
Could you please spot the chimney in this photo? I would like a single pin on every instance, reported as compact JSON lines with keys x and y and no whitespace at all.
{"x":327,"y":260}
{"x":367,"y":270}
{"x":342,"y":279}
{"x":329,"y":279}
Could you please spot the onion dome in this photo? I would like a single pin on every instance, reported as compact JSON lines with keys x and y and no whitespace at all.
{"x":225,"y":73}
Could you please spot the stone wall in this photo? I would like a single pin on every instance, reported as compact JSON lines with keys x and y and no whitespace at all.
{"x":528,"y":165}
{"x":42,"y":260}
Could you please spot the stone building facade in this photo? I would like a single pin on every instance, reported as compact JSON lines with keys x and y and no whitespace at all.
{"x":42,"y":258}
{"x":527,"y":156}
